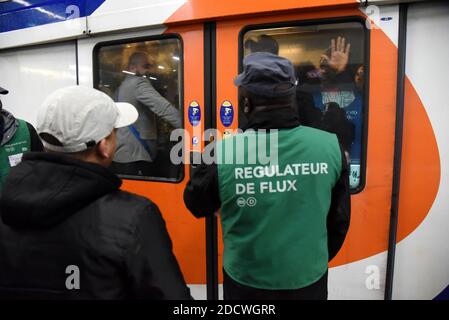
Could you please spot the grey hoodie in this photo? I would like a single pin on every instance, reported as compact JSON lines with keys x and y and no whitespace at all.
{"x":8,"y":126}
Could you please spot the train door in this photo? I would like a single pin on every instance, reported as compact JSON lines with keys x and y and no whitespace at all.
{"x":173,"y":63}
{"x":342,"y":58}
{"x":422,"y":255}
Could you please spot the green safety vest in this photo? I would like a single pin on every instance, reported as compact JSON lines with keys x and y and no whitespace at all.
{"x":274,"y":216}
{"x":11,"y":153}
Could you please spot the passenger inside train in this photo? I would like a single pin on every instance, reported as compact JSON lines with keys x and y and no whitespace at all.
{"x":329,"y":66}
{"x":330,"y":71}
{"x":145,"y":74}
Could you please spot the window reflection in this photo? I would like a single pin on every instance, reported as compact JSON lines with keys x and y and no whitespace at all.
{"x":147,"y":75}
{"x":329,"y":63}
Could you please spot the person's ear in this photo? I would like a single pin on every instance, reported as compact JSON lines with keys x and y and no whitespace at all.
{"x":104,"y":149}
{"x":132,"y":68}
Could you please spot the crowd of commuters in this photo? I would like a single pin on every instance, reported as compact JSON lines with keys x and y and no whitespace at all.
{"x":62,"y":208}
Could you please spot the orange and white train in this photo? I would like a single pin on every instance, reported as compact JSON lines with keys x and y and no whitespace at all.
{"x":396,"y":245}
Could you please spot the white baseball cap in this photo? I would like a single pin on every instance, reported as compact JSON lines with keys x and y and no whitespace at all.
{"x":75,"y":118}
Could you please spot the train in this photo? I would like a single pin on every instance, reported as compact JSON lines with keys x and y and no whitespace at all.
{"x":396,"y":245}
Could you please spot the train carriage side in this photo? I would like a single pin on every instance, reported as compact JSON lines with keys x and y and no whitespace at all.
{"x":196,"y":47}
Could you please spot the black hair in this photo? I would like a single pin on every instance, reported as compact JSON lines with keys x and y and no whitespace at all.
{"x":136,"y":57}
{"x":249,"y":45}
{"x":302,"y":73}
{"x":263,"y":43}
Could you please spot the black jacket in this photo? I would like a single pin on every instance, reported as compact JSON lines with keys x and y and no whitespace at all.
{"x":58,"y":212}
{"x":202,"y":197}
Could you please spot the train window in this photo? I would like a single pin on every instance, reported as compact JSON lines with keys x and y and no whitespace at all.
{"x":146,"y":74}
{"x":330,"y":65}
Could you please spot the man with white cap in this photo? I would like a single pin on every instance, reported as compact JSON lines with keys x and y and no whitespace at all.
{"x":16,"y":137}
{"x":67,"y":231}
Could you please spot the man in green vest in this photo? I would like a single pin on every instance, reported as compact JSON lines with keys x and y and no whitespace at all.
{"x":283,"y":220}
{"x":16,"y":137}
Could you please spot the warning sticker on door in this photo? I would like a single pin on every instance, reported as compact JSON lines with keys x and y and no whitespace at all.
{"x":226,"y":113}
{"x":194,"y":113}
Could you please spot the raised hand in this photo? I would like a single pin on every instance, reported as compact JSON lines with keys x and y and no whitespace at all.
{"x":339,"y":55}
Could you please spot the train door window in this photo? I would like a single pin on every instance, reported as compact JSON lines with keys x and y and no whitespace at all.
{"x":330,"y":64}
{"x":146,"y":74}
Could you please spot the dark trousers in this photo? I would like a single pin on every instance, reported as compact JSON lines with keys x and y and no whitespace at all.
{"x":232,"y":290}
